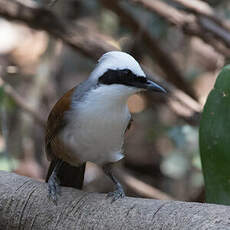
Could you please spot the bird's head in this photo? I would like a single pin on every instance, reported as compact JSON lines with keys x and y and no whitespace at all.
{"x":121,"y":69}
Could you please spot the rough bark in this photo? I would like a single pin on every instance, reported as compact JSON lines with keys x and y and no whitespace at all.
{"x":24,"y":205}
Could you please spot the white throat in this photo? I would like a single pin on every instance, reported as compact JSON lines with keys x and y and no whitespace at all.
{"x":112,"y":94}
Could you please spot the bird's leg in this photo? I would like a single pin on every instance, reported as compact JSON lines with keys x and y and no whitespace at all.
{"x":119,"y":192}
{"x":54,"y":183}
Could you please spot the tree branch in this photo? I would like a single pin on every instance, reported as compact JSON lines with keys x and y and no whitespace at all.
{"x":209,"y":21}
{"x":139,"y":187}
{"x":79,"y":37}
{"x":205,"y":25}
{"x":24,"y":205}
{"x":20,"y":102}
{"x":202,"y":8}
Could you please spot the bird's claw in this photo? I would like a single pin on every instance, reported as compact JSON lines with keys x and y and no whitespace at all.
{"x":117,"y":194}
{"x":54,"y":188}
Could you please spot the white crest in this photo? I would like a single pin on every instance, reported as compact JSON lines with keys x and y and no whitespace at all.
{"x":116,"y":60}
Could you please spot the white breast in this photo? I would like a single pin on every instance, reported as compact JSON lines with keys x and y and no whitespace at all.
{"x":97,"y":124}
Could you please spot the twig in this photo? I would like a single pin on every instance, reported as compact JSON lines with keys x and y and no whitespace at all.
{"x":140,"y":187}
{"x":185,"y":107}
{"x":20,"y":102}
{"x":200,"y":26}
{"x":202,"y":8}
{"x":219,"y":27}
{"x":197,"y":6}
{"x":52,"y":3}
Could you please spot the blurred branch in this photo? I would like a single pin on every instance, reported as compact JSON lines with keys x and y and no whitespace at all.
{"x":79,"y":37}
{"x":179,"y":102}
{"x":20,"y":102}
{"x":163,"y":58}
{"x":205,"y":25}
{"x":185,"y":107}
{"x":197,"y":6}
{"x":52,"y":3}
{"x":210,"y":22}
{"x":140,"y":187}
{"x":202,"y":8}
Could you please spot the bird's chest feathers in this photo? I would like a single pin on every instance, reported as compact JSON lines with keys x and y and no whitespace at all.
{"x":103,"y":121}
{"x":97,"y":125}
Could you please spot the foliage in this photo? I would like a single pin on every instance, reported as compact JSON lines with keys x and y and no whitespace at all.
{"x":214,"y":140}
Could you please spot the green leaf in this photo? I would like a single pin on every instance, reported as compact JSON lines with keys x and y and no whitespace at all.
{"x":215,"y":141}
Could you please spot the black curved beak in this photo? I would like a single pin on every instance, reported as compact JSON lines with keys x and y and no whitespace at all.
{"x":150,"y":85}
{"x":147,"y":84}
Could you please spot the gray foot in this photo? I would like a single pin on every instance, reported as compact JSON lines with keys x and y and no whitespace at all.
{"x":117,"y":194}
{"x":53,"y":188}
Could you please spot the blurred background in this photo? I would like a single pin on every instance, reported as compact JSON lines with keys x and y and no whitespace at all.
{"x":48,"y":47}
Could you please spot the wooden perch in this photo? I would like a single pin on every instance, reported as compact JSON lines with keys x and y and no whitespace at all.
{"x":24,"y":205}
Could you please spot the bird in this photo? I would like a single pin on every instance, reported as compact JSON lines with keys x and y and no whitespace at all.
{"x":88,"y":123}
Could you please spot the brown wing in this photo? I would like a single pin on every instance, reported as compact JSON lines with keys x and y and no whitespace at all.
{"x":55,"y":123}
{"x":68,"y":175}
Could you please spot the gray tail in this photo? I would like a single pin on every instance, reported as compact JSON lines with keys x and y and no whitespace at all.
{"x":69,"y":176}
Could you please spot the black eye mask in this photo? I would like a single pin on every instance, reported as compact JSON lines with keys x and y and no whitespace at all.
{"x":122,"y":77}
